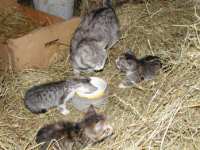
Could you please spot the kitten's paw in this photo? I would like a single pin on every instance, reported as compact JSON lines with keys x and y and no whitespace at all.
{"x":65,"y":112}
{"x":108,"y":131}
{"x":99,"y":67}
{"x":122,"y":86}
{"x":126,"y":84}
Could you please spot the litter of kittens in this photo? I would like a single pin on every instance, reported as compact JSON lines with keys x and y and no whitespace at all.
{"x":161,"y":116}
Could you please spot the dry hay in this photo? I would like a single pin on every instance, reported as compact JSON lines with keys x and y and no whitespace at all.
{"x":13,"y":24}
{"x":164,"y":114}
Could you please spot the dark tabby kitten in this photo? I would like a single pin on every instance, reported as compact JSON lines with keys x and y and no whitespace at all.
{"x":75,"y":136}
{"x":39,"y":99}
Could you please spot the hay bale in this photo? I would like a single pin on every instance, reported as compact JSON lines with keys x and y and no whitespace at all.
{"x":164,"y":115}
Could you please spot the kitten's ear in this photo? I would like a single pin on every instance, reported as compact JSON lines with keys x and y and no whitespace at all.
{"x":90,"y":111}
{"x":130,"y":52}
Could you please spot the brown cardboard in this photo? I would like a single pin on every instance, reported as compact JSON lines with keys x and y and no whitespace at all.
{"x":39,"y":17}
{"x":5,"y":58}
{"x":32,"y":50}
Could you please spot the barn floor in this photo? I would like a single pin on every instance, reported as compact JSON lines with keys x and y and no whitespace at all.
{"x":162,"y":114}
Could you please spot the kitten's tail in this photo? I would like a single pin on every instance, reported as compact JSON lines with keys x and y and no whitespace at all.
{"x":107,"y":3}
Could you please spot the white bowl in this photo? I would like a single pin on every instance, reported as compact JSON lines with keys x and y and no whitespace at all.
{"x":82,"y":100}
{"x":99,"y":83}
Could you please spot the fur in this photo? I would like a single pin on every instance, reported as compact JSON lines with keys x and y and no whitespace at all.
{"x":40,"y":98}
{"x":97,"y":32}
{"x":137,"y":70}
{"x":74,"y":136}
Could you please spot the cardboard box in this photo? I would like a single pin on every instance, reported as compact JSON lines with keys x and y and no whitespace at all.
{"x":5,"y":58}
{"x":36,"y":49}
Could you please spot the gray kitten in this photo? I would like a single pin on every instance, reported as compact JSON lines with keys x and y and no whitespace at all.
{"x":137,"y":70}
{"x":75,"y":135}
{"x":97,"y":32}
{"x":39,"y":99}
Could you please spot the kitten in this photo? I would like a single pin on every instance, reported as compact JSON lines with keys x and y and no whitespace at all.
{"x":97,"y":32}
{"x":137,"y":70}
{"x":75,"y":135}
{"x":40,"y":98}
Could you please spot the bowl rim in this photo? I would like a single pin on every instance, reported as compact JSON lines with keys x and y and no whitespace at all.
{"x":101,"y":85}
